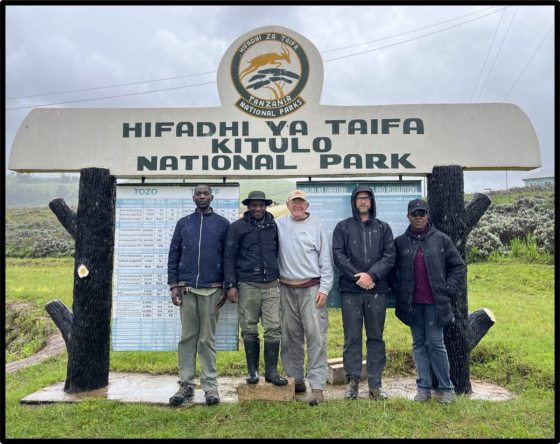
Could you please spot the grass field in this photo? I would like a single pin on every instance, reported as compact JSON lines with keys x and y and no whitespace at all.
{"x":517,"y":353}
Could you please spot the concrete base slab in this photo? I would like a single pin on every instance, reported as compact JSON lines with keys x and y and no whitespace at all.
{"x":264,"y":391}
{"x":336,"y":373}
{"x":134,"y":387}
{"x":157,"y":389}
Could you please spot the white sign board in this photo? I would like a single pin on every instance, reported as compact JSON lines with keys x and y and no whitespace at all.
{"x":270,"y":122}
{"x":143,"y":317}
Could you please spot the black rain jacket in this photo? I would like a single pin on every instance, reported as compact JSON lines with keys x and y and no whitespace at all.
{"x":251,"y":253}
{"x":445,"y":268}
{"x":363,"y":247}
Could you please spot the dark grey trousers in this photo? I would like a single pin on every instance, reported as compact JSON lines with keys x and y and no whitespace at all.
{"x":359,"y":309}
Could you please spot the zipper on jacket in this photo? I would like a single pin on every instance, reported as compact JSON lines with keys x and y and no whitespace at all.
{"x":261,"y":252}
{"x":199,"y":245}
{"x":412,"y":274}
{"x":364,"y":242}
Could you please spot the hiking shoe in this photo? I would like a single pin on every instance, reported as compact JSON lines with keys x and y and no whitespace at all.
{"x":211,"y":398}
{"x":423,"y":395}
{"x":300,"y":387}
{"x":316,"y":397}
{"x":352,"y":389}
{"x":377,"y":394}
{"x":184,"y":393}
{"x":446,"y":397}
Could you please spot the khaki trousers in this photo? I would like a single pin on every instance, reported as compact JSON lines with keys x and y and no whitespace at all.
{"x":199,"y":318}
{"x":256,"y":303}
{"x":303,"y":322}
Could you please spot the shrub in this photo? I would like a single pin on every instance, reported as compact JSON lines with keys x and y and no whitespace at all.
{"x":480,"y":243}
{"x":544,"y":235}
{"x":523,"y":226}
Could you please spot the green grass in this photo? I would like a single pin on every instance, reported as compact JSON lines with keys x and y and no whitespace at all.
{"x":517,"y":353}
{"x":29,"y":330}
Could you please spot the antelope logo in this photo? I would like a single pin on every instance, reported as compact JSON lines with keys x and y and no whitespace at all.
{"x":269,"y":71}
{"x":270,"y":58}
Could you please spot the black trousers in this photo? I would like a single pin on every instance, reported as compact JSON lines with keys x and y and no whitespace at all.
{"x":359,"y":309}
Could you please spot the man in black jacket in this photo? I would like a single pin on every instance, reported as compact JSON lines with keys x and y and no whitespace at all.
{"x":364,"y":252}
{"x":427,"y":272}
{"x":251,"y":276}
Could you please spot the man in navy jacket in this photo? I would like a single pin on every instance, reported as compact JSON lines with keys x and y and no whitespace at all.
{"x":195,"y":276}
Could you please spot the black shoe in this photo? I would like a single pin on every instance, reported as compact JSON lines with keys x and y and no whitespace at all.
{"x":271,"y":350}
{"x":352,"y":389}
{"x":300,"y":388}
{"x":212,"y":398}
{"x":184,"y":393}
{"x":276,"y":380}
{"x":377,"y":394}
{"x":252,"y":349}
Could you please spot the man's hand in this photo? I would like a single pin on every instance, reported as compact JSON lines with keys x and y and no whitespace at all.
{"x":364,"y":281}
{"x":222,"y":300}
{"x":320,"y":299}
{"x":175,"y":296}
{"x":232,"y":295}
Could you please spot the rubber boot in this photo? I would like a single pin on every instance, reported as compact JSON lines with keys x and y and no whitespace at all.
{"x":252,"y":349}
{"x":271,"y":350}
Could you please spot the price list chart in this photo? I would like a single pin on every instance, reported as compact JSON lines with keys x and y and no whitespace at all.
{"x":143,"y":317}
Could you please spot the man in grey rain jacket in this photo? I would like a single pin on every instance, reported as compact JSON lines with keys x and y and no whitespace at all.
{"x":364,"y":252}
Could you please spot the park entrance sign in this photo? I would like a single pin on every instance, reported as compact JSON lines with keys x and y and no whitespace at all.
{"x":270,"y":122}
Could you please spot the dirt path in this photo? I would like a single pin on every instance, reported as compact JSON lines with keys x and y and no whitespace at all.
{"x":55,"y":345}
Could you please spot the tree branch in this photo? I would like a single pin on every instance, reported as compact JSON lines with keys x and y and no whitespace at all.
{"x":65,"y":215}
{"x":480,"y":321}
{"x":475,"y":209}
{"x":62,"y":317}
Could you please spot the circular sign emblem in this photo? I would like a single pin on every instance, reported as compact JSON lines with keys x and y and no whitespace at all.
{"x":269,"y":71}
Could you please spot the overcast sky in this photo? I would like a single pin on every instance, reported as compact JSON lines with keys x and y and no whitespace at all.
{"x":390,"y":55}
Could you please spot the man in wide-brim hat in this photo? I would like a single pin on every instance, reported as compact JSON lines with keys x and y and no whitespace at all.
{"x":251,"y":278}
{"x":257,"y":195}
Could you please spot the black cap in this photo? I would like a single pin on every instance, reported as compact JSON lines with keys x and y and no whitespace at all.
{"x":417,"y":204}
{"x":257,"y":195}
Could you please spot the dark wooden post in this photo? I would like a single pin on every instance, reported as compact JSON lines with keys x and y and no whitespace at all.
{"x":86,"y":329}
{"x":450,"y":214}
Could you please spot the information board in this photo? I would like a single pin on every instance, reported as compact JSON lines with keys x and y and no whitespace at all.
{"x":143,"y":317}
{"x":329,"y":201}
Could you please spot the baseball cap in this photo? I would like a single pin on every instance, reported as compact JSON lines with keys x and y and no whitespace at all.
{"x":298,"y":194}
{"x":417,"y":204}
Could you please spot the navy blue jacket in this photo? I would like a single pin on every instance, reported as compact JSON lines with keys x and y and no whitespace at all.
{"x":363,"y":247}
{"x":197,"y":250}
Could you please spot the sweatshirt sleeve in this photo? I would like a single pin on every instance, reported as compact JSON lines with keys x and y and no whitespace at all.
{"x":325,"y":263}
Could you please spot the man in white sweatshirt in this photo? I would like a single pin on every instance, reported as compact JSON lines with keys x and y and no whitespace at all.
{"x":306,"y":277}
